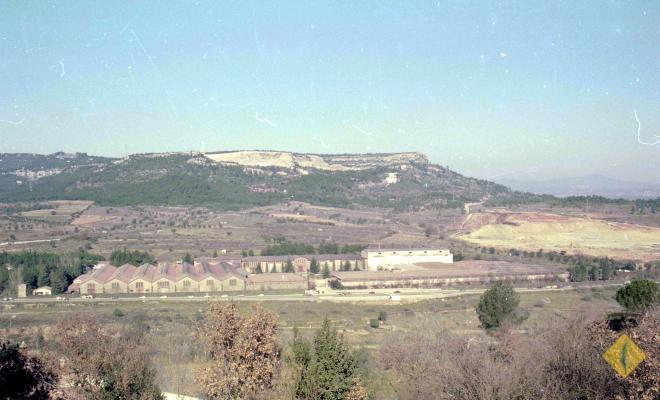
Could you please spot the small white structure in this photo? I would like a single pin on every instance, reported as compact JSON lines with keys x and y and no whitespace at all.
{"x":395,"y":297}
{"x":43,"y":291}
{"x":22,"y":290}
{"x":391,"y":178}
{"x":378,"y":259}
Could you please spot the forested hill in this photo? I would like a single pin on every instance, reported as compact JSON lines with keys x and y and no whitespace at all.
{"x":403,"y":181}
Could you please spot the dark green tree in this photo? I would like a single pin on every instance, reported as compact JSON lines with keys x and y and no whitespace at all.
{"x":43,"y":279}
{"x":639,"y":295}
{"x":188,"y":259}
{"x":497,"y":304}
{"x":314,"y":266}
{"x":326,"y":271}
{"x":329,"y":370}
{"x":121,"y":257}
{"x":288,"y":267}
{"x":346,"y":266}
{"x":258,"y":269}
{"x":58,"y":281}
{"x":578,"y":273}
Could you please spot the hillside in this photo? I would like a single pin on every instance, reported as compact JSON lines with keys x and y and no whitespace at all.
{"x":236,"y":180}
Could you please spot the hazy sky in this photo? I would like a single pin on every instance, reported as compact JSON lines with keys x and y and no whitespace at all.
{"x":509,"y":89}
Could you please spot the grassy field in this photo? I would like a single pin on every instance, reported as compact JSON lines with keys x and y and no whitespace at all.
{"x":62,"y":212}
{"x":534,"y":231}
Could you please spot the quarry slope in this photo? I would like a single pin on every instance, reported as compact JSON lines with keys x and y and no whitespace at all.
{"x":533,"y":231}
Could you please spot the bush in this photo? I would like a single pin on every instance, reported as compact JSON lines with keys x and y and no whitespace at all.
{"x":374,"y":323}
{"x":382,"y":316}
{"x":639,"y":295}
{"x":23,"y":377}
{"x":335,"y":284}
{"x":118,"y":313}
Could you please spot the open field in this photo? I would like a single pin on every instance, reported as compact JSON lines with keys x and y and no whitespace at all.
{"x":172,"y":323}
{"x":62,"y":211}
{"x":533,"y":231}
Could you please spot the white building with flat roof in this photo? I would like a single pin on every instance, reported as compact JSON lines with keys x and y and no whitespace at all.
{"x":378,"y":259}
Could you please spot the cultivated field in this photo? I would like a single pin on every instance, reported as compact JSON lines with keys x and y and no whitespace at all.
{"x":533,"y":231}
{"x":170,"y":232}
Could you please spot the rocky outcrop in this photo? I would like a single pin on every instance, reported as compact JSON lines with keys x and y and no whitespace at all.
{"x":327,"y":162}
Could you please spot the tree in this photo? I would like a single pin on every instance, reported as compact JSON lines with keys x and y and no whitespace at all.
{"x":121,"y":257}
{"x":497,"y":304}
{"x":43,"y":279}
{"x":58,"y":281}
{"x":22,"y":377}
{"x":639,"y":295}
{"x":258,"y":269}
{"x":578,"y":273}
{"x":382,"y":316}
{"x":346,"y":266}
{"x":330,"y":370}
{"x":215,"y":253}
{"x":188,"y":259}
{"x":106,"y":363}
{"x":243,"y":353}
{"x":326,"y":271}
{"x":288,"y":267}
{"x":314,"y":266}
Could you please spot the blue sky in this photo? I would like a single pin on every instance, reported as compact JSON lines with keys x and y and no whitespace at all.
{"x":514,"y":89}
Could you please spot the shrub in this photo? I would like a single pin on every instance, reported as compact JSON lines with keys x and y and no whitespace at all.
{"x":335,"y":284}
{"x":639,"y":295}
{"x":374,"y":323}
{"x":23,"y":377}
{"x":118,"y":313}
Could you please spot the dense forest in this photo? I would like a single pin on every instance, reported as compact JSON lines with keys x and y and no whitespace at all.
{"x":36,"y":269}
{"x":136,"y":257}
{"x":285,"y":248}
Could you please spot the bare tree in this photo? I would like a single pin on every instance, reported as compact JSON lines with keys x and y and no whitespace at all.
{"x":242,"y":350}
{"x":104,"y":363}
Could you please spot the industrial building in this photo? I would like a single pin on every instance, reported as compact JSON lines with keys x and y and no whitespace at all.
{"x":228,"y":274}
{"x":459,"y":273}
{"x":377,"y":259}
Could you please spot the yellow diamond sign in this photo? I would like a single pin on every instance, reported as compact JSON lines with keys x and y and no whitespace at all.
{"x":624,"y":356}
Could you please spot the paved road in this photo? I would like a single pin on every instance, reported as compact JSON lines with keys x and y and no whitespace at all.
{"x":375,"y":295}
{"x":31,"y":241}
